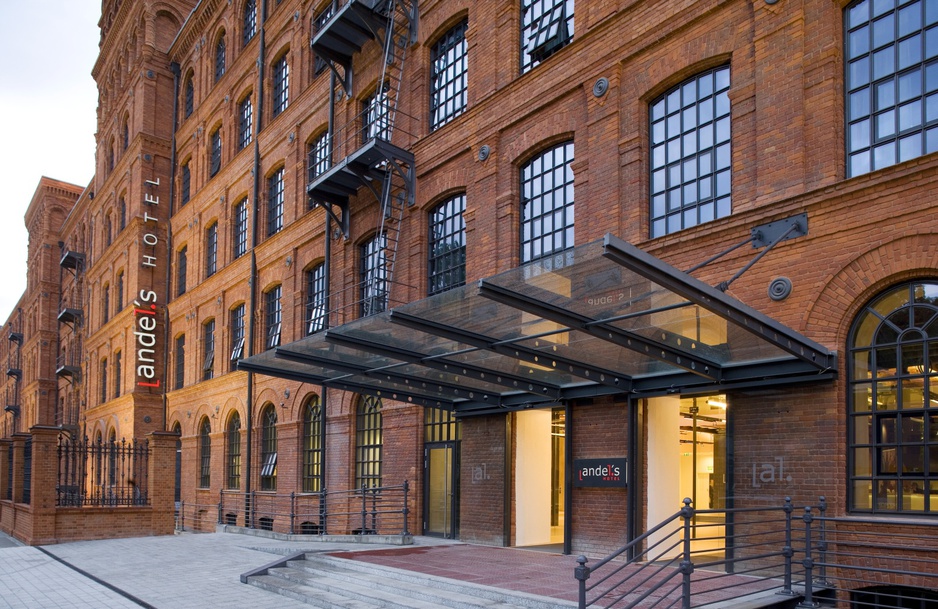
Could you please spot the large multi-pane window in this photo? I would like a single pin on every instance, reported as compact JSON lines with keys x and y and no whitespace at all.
{"x":374,"y":275}
{"x":245,"y":122}
{"x":690,"y":153}
{"x":319,"y":65}
{"x":215,"y":153}
{"x":220,"y":52}
{"x":211,"y":249}
{"x":448,"y":76}
{"x":240,"y":228}
{"x":892,"y":82}
{"x":182,"y":258}
{"x":269,"y":448}
{"x":319,"y":156}
{"x":233,"y":440}
{"x":547,"y":203}
{"x":376,"y":115}
{"x":122,"y":214}
{"x":369,"y":442}
{"x":893,"y":418}
{"x":119,"y":291}
{"x":185,"y":183}
{"x":205,"y":453}
{"x":312,"y":445}
{"x":105,"y":303}
{"x":188,"y":101}
{"x":249,"y":22}
{"x":546,"y":27}
{"x":447,"y":264}
{"x":118,"y":373}
{"x":275,"y":202}
{"x":440,"y":425}
{"x":208,"y":345}
{"x":316,"y":299}
{"x":281,"y":90}
{"x":103,"y":388}
{"x":179,"y":357}
{"x":272,"y":317}
{"x":236,"y":323}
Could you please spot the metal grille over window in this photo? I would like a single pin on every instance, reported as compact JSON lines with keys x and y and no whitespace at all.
{"x":281,"y":85}
{"x":316,"y":299}
{"x":273,"y":319}
{"x":374,"y":276}
{"x":368,"y":442}
{"x":275,"y":202}
{"x":691,"y":154}
{"x":893,"y":422}
{"x":245,"y":122}
{"x":546,"y":27}
{"x":892,"y":82}
{"x":547,"y":203}
{"x":448,"y":78}
{"x":447,"y":264}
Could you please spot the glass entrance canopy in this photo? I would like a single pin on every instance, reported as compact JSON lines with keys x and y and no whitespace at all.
{"x":600,"y":319}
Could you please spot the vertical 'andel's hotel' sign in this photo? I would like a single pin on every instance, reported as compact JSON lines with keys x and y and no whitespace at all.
{"x":145,"y":305}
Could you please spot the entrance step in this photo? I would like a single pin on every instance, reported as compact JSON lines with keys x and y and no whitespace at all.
{"x":320,"y":580}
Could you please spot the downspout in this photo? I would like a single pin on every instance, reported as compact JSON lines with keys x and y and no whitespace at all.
{"x":327,"y":300}
{"x":252,"y":280}
{"x":174,"y":67}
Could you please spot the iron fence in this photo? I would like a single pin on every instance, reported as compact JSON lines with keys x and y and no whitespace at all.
{"x":102,"y":473}
{"x":366,"y":511}
{"x":697,"y":557}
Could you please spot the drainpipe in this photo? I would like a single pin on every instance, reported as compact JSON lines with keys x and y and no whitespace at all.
{"x":252,"y":280}
{"x":174,"y":67}
{"x":327,"y":301}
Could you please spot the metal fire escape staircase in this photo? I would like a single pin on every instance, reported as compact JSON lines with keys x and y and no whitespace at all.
{"x":368,"y":156}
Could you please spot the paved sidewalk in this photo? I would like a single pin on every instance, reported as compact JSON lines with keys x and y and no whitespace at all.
{"x":187,"y":571}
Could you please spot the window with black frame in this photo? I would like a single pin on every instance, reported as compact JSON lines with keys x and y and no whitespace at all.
{"x":448,"y":76}
{"x":891,"y":65}
{"x":103,"y":387}
{"x":281,"y":89}
{"x":185,"y":179}
{"x":369,"y":442}
{"x":182,"y":258}
{"x":179,"y":357}
{"x":319,"y":64}
{"x":205,"y":454}
{"x":220,"y":57}
{"x":245,"y":122}
{"x":249,"y":22}
{"x":691,"y":153}
{"x":272,"y":317}
{"x":892,"y":413}
{"x":188,"y":97}
{"x":446,"y":267}
{"x":546,"y":27}
{"x":215,"y":154}
{"x":236,"y":323}
{"x":269,"y":448}
{"x":374,"y":276}
{"x":233,"y":440}
{"x":319,"y":156}
{"x":376,"y":116}
{"x":275,"y":202}
{"x":208,"y":346}
{"x":118,"y":373}
{"x":316,"y":299}
{"x":211,"y":249}
{"x":547,"y":203}
{"x":240,"y":228}
{"x":312,"y":445}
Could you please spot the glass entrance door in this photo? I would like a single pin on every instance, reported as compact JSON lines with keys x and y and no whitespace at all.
{"x":440,"y":490}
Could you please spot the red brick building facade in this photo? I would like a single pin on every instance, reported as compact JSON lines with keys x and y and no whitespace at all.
{"x":682,"y":128}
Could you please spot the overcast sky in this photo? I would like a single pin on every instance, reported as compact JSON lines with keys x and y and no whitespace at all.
{"x":48,"y":102}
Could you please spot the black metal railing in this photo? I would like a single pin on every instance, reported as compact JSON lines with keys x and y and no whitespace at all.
{"x":367,"y":511}
{"x":102,"y":473}
{"x":696,"y":557}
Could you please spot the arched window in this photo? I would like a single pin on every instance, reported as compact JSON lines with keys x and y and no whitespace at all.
{"x":315,"y":299}
{"x":281,"y":88}
{"x":177,"y":429}
{"x":188,"y":102}
{"x":112,"y":458}
{"x":205,"y":454}
{"x":374,"y":275}
{"x":220,"y":57}
{"x":691,"y":156}
{"x":369,"y":441}
{"x":249,"y":22}
{"x":546,"y":27}
{"x":547,"y":203}
{"x":891,"y":64}
{"x":312,"y":445}
{"x":233,"y":439}
{"x":448,"y":79}
{"x":269,"y":448}
{"x":893,"y":421}
{"x":447,"y":264}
